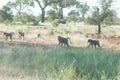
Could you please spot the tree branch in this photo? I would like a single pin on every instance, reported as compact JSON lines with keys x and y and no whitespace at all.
{"x":39,"y":4}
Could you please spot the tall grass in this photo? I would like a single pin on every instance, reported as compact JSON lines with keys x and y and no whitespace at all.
{"x":61,"y":63}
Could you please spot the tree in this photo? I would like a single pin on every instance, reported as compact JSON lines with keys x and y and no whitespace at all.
{"x":20,"y":5}
{"x":28,"y":18}
{"x":6,"y":14}
{"x":63,"y":4}
{"x":43,"y":5}
{"x":104,"y":16}
{"x":82,"y":8}
{"x":73,"y":16}
{"x":51,"y":15}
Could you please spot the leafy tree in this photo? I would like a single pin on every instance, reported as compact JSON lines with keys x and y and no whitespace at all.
{"x":104,"y":16}
{"x":51,"y":15}
{"x":63,"y":4}
{"x":20,"y":5}
{"x":43,"y":4}
{"x":73,"y":16}
{"x":6,"y":14}
{"x":27,"y":18}
{"x":82,"y":8}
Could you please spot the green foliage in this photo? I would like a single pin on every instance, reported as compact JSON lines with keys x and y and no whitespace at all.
{"x":61,"y":4}
{"x":93,"y":19}
{"x":67,"y":3}
{"x":51,"y":15}
{"x":106,"y":14}
{"x":35,"y":20}
{"x":55,"y":23}
{"x":73,"y":16}
{"x":20,"y":5}
{"x":63,"y":21}
{"x":6,"y":14}
{"x":24,"y":18}
{"x":51,"y":32}
{"x":73,"y":12}
{"x":82,"y":8}
{"x":27,"y":18}
{"x":43,"y":4}
{"x":62,"y":63}
{"x":110,"y":19}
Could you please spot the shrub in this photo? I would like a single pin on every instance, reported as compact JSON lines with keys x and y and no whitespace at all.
{"x":63,"y":21}
{"x":55,"y":23}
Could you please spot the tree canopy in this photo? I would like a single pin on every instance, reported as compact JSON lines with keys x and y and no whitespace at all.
{"x":6,"y":14}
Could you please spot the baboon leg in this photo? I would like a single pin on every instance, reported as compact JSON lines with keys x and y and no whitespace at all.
{"x":59,"y":44}
{"x":92,"y":45}
{"x":23,"y":36}
{"x":95,"y":46}
{"x":11,"y":38}
{"x":88,"y":45}
{"x":68,"y":45}
{"x":20,"y":36}
{"x":99,"y":46}
{"x":6,"y":38}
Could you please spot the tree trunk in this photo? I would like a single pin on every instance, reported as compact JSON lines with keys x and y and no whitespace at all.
{"x":99,"y":22}
{"x":99,"y":28}
{"x":43,"y":15}
{"x":61,"y":13}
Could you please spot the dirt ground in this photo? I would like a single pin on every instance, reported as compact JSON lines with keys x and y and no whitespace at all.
{"x":79,"y":34}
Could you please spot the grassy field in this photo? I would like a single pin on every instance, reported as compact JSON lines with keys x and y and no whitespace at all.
{"x":49,"y":63}
{"x":38,"y":59}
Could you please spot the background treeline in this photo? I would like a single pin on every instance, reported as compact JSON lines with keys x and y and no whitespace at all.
{"x":20,"y":11}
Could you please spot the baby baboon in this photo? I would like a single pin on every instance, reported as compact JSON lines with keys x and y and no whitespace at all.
{"x":63,"y":41}
{"x":93,"y":43}
{"x":21,"y":35}
{"x":8,"y":35}
{"x":38,"y":35}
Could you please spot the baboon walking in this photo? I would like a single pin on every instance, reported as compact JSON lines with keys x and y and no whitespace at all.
{"x":63,"y":41}
{"x":21,"y":35}
{"x":93,"y":43}
{"x":8,"y":35}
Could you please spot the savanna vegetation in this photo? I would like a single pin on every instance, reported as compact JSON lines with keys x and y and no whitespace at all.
{"x":48,"y":63}
{"x":34,"y":58}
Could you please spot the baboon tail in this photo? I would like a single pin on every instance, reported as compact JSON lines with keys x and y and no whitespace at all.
{"x":69,"y":39}
{"x":99,"y":44}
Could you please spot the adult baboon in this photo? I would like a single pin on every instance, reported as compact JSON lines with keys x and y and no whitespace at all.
{"x":63,"y":41}
{"x":38,"y":35}
{"x":93,"y":43}
{"x":8,"y":35}
{"x":21,"y":35}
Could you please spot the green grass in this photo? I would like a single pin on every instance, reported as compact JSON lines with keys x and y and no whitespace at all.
{"x":63,"y":63}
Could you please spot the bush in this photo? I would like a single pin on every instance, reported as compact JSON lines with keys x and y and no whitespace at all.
{"x":55,"y":23}
{"x":63,"y":21}
{"x":27,"y":18}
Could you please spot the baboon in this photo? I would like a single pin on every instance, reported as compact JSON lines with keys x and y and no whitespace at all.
{"x":63,"y":41}
{"x":8,"y":35}
{"x":38,"y":35}
{"x":93,"y":43}
{"x":21,"y":35}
